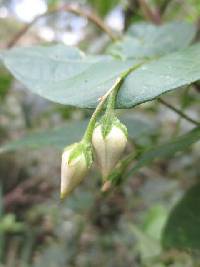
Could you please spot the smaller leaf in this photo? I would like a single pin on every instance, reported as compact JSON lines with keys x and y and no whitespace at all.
{"x":147,"y":246}
{"x":5,"y":83}
{"x":145,"y":40}
{"x":182,"y":230}
{"x":103,"y":7}
{"x":155,"y":221}
{"x":73,"y":132}
{"x":167,"y":149}
{"x":58,"y":138}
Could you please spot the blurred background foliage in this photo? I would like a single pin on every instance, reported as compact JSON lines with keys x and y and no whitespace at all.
{"x":130,"y":226}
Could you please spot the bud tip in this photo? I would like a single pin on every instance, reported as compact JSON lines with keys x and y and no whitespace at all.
{"x":106,"y":186}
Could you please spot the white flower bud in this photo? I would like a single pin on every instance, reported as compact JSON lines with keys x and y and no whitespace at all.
{"x":73,"y":168}
{"x":110,"y":148}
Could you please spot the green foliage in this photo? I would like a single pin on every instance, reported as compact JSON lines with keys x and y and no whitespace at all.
{"x":103,"y":7}
{"x":65,"y":75}
{"x":145,"y":40}
{"x":52,"y":3}
{"x":73,"y":132}
{"x":8,"y":224}
{"x":86,"y":230}
{"x":155,"y":221}
{"x":148,"y":247}
{"x":182,"y":229}
{"x":5,"y":83}
{"x":160,"y":76}
{"x":167,"y":150}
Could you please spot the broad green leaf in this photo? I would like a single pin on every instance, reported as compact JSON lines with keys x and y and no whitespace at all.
{"x":145,"y":40}
{"x":65,"y":75}
{"x":182,"y":230}
{"x":160,"y":76}
{"x":166,"y":150}
{"x":72,"y":132}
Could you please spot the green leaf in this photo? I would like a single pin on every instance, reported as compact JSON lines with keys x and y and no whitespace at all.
{"x":148,"y":247}
{"x":144,"y":40}
{"x":182,"y":230}
{"x":160,"y":76}
{"x":103,"y":7}
{"x":72,"y":132}
{"x":154,"y":221}
{"x":166,"y":150}
{"x":5,"y":83}
{"x":58,"y":138}
{"x":63,"y":74}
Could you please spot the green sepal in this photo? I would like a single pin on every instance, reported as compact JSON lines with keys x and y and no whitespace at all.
{"x":108,"y":121}
{"x":120,"y":125}
{"x":82,"y":148}
{"x":115,"y":177}
{"x":106,"y":124}
{"x":69,"y":147}
{"x":88,"y":152}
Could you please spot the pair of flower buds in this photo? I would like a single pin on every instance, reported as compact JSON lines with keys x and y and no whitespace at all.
{"x":108,"y":147}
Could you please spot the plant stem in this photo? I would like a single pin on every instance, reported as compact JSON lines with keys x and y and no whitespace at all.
{"x":113,"y":94}
{"x":115,"y":177}
{"x":164,"y":6}
{"x":111,"y":102}
{"x":88,"y":134}
{"x":152,"y":15}
{"x":130,"y":10}
{"x":90,"y":15}
{"x":183,"y":115}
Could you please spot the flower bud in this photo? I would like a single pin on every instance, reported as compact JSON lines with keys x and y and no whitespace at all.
{"x":109,"y":148}
{"x":76,"y":160}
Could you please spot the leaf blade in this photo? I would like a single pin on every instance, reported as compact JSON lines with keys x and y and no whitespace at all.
{"x":161,"y":76}
{"x":182,"y":229}
{"x":167,"y":149}
{"x":72,"y":132}
{"x":76,"y":80}
{"x":145,"y":40}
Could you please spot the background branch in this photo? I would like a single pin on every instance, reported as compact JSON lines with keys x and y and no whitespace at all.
{"x":151,"y":15}
{"x":179,"y":112}
{"x":21,"y":194}
{"x":130,"y":10}
{"x":164,"y":6}
{"x":75,"y":9}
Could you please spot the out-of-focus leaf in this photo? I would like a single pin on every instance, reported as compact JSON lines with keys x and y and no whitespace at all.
{"x":5,"y":82}
{"x":147,"y":246}
{"x":103,"y":7}
{"x":52,"y":3}
{"x":73,"y":132}
{"x":9,"y":224}
{"x":155,"y":221}
{"x":58,"y":137}
{"x":182,"y":230}
{"x":55,"y":255}
{"x":145,"y":40}
{"x":166,"y":150}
